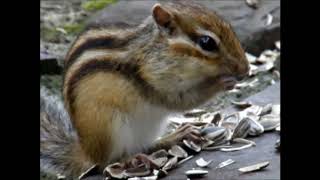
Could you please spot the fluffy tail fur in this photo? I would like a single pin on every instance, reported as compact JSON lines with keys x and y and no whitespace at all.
{"x":60,"y":151}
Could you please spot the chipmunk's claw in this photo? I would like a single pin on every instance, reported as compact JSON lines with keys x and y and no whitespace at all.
{"x":186,"y":131}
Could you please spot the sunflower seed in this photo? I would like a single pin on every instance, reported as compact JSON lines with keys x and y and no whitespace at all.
{"x":196,"y":173}
{"x":115,"y":170}
{"x":249,"y":115}
{"x":216,"y":147}
{"x":254,"y":167}
{"x":244,"y":141}
{"x":251,"y":58}
{"x":185,"y":159}
{"x":93,"y":170}
{"x":254,"y":109}
{"x":230,"y":121}
{"x":159,"y":154}
{"x":212,"y":133}
{"x":160,"y":161}
{"x":181,"y":119}
{"x":276,"y":109}
{"x":270,"y":122}
{"x":144,"y":178}
{"x":137,"y":171}
{"x":208,"y":117}
{"x":191,"y":145}
{"x":255,"y":128}
{"x":252,"y":3}
{"x":277,"y":43}
{"x":266,"y":109}
{"x":225,"y":163}
{"x":253,"y":70}
{"x":202,"y":163}
{"x":236,"y":148}
{"x":178,"y":151}
{"x":269,"y":19}
{"x":172,"y":163}
{"x":242,"y":129}
{"x":207,"y":143}
{"x":241,"y":104}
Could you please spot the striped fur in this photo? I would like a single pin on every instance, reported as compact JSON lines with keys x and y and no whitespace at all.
{"x":117,"y":81}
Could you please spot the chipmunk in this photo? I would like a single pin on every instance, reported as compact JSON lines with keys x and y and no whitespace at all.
{"x":120,"y":85}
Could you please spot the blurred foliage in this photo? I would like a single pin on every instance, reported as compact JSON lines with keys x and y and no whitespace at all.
{"x":50,"y":34}
{"x":73,"y":28}
{"x":93,"y":5}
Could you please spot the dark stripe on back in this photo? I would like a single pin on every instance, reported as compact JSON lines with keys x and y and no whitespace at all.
{"x":94,"y":43}
{"x":129,"y":71}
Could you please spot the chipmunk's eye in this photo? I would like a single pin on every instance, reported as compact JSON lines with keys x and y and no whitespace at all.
{"x":207,"y":43}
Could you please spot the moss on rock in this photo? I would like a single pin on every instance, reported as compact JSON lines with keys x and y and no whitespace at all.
{"x":94,"y":5}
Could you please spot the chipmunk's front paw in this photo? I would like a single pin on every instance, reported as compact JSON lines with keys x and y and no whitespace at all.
{"x":186,"y":131}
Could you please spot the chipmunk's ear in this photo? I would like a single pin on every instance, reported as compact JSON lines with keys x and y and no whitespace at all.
{"x":161,"y":16}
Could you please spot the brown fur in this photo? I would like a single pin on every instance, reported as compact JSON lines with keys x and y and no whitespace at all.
{"x":183,"y":49}
{"x":189,"y":15}
{"x":94,"y":40}
{"x":100,"y":102}
{"x":145,"y":66}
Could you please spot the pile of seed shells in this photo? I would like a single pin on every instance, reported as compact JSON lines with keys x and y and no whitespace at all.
{"x":265,"y":62}
{"x":220,"y":132}
{"x":268,"y":61}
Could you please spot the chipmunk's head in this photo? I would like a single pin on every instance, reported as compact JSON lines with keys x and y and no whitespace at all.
{"x":198,"y":54}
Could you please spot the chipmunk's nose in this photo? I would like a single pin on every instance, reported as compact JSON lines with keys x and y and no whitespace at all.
{"x":241,"y":77}
{"x":243,"y":71}
{"x":239,"y":68}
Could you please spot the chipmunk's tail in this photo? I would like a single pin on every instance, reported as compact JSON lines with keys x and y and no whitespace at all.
{"x":60,"y":152}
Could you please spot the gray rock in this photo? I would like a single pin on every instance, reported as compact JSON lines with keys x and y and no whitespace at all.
{"x":249,"y":24}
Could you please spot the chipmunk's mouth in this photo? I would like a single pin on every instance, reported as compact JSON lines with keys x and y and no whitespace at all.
{"x":228,"y":82}
{"x":218,"y":83}
{"x":225,"y":82}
